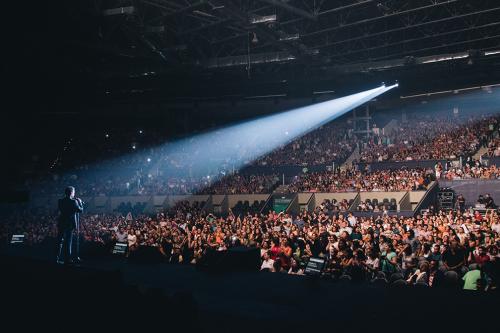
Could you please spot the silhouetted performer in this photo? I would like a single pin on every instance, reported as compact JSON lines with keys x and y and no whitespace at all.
{"x":69,"y":208}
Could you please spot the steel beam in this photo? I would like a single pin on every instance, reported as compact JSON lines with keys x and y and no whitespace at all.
{"x":231,"y":10}
{"x":417,"y":39}
{"x":436,"y":47}
{"x":374,"y":19}
{"x":291,"y":9}
{"x":370,"y":20}
{"x":332,"y":10}
{"x":385,"y":32}
{"x":418,"y":25}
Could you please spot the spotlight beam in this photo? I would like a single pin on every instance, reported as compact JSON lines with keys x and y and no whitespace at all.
{"x":240,"y":144}
{"x":231,"y":148}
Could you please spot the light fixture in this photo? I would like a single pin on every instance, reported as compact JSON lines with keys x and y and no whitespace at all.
{"x":255,"y":40}
{"x":263,"y":19}
{"x":492,"y":52}
{"x":119,"y":11}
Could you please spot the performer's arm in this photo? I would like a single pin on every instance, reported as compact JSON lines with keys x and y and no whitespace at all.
{"x":78,"y":206}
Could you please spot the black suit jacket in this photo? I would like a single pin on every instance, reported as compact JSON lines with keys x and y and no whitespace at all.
{"x":68,"y":208}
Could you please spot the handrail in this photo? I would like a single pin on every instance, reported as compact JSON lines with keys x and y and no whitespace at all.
{"x":432,"y":188}
{"x":355,"y":202}
{"x":266,"y":204}
{"x":406,"y":196}
{"x":294,"y":200}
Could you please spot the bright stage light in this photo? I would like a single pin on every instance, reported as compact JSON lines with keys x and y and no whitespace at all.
{"x":213,"y":154}
{"x":239,"y":145}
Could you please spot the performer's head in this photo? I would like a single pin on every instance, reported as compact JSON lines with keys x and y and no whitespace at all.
{"x":69,"y":192}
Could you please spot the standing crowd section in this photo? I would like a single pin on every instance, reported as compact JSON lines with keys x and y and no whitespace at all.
{"x":456,"y":248}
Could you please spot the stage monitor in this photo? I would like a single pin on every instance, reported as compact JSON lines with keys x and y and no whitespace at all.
{"x":120,"y":248}
{"x":17,"y":239}
{"x":314,"y":266}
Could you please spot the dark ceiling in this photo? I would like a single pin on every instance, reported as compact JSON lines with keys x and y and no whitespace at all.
{"x":115,"y":56}
{"x":105,"y":50}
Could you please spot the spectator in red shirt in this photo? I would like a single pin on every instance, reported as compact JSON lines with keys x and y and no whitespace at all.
{"x":481,"y":256}
{"x":275,"y":250}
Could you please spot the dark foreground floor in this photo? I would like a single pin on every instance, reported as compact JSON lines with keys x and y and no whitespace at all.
{"x":111,"y":294}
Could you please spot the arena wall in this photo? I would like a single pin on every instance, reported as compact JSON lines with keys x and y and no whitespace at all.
{"x":306,"y":201}
{"x":220,"y":204}
{"x":380,"y":196}
{"x":415,"y":198}
{"x":232,"y":199}
{"x":375,"y":166}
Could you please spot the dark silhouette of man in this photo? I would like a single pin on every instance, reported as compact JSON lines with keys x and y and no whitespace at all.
{"x":69,"y":207}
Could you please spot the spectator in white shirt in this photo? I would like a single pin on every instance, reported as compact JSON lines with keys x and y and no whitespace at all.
{"x":267,"y":262}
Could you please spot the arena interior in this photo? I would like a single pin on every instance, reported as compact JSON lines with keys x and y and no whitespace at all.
{"x":251,"y":165}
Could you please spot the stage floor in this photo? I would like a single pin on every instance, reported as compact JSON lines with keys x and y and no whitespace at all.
{"x":249,"y":301}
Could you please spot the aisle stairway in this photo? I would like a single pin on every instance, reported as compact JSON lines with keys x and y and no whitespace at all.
{"x":353,"y":157}
{"x":479,"y":153}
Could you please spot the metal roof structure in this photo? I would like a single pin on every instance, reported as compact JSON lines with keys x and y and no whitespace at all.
{"x":225,"y":33}
{"x":234,"y":47}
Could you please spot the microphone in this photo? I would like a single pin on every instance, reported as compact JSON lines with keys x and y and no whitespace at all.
{"x":81,"y":201}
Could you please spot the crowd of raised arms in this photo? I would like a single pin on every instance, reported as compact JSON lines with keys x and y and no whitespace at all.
{"x":436,"y":249}
{"x":416,"y":139}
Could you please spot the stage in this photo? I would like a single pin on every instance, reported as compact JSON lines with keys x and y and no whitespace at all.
{"x":127,"y":295}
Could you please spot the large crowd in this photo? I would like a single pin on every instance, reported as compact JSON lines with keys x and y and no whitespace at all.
{"x":333,"y":142}
{"x":142,"y":163}
{"x":243,"y":184}
{"x":494,"y":148}
{"x":353,"y":180}
{"x":421,"y":139}
{"x":141,"y":183}
{"x":471,"y":169}
{"x":435,"y":249}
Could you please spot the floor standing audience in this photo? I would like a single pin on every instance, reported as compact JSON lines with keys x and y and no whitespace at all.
{"x":434,"y":249}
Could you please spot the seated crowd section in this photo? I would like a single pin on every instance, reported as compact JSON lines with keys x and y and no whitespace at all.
{"x":352,"y":180}
{"x":422,"y":139}
{"x":417,"y":139}
{"x":333,"y":142}
{"x":472,"y":169}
